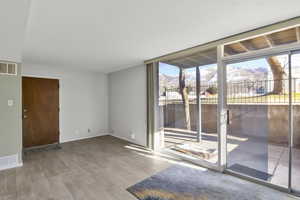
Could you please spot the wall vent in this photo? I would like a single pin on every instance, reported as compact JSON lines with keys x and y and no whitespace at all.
{"x":8,"y":68}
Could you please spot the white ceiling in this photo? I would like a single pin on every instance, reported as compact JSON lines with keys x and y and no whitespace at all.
{"x":109,"y":35}
{"x":13,"y":14}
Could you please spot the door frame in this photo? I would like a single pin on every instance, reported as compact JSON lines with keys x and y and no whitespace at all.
{"x":222,"y":69}
{"x":291,"y":123}
{"x":58,"y":145}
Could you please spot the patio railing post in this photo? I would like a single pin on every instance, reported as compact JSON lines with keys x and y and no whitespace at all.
{"x":199,"y":128}
{"x":290,"y":122}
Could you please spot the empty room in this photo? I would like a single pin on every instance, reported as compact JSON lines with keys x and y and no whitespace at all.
{"x":149,"y":100}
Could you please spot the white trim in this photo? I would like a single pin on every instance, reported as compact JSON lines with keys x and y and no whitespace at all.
{"x":127,"y":139}
{"x":222,"y":110}
{"x":82,"y":138}
{"x":37,"y":76}
{"x":9,"y":162}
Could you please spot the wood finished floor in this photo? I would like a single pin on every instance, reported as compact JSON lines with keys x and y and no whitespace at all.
{"x":93,"y":169}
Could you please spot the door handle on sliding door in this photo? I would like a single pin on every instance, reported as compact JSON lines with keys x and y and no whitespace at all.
{"x":228,"y":117}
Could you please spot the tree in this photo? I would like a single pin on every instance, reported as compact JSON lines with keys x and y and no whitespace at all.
{"x":185,"y":98}
{"x":278,"y":75}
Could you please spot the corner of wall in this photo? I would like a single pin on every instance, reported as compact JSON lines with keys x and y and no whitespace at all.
{"x":128,"y":104}
{"x":11,"y":121}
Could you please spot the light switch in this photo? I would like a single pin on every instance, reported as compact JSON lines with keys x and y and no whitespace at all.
{"x":10,"y":102}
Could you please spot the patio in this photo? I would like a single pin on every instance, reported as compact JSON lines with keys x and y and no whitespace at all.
{"x":247,"y":155}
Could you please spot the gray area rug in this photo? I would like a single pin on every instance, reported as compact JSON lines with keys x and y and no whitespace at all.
{"x":184,"y":183}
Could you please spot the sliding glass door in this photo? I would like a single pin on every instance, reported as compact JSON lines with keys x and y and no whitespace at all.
{"x":188,"y":96}
{"x":263,"y":133}
{"x":262,"y":97}
{"x":295,"y":108}
{"x":258,"y":121}
{"x":235,"y":106}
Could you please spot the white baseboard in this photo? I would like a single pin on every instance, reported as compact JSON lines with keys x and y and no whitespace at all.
{"x":8,"y":162}
{"x":82,"y":138}
{"x":126,"y":139}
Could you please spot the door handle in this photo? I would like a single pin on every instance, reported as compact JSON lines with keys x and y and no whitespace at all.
{"x":228,"y":117}
{"x":24,"y":115}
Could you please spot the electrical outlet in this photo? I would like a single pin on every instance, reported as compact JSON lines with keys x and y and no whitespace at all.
{"x":77,"y":132}
{"x":132,"y":136}
{"x":10,"y":102}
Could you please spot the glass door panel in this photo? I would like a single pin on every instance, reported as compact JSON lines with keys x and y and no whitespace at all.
{"x":188,"y":93}
{"x":295,"y":173}
{"x":258,"y":131}
{"x":208,"y":107}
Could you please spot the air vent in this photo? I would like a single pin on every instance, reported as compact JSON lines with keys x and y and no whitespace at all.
{"x":8,"y":68}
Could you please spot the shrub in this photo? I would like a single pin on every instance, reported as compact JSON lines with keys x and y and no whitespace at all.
{"x":212,"y":90}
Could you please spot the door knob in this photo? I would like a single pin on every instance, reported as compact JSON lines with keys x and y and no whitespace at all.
{"x":25,"y":116}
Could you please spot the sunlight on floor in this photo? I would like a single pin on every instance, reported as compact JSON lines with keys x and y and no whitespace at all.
{"x":142,"y":151}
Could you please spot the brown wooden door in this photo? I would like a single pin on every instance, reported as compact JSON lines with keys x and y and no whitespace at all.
{"x":40,"y":111}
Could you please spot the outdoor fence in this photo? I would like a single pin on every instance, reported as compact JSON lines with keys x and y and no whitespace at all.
{"x":242,"y":92}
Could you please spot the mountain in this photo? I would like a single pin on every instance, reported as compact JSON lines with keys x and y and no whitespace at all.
{"x":209,"y":76}
{"x":237,"y":74}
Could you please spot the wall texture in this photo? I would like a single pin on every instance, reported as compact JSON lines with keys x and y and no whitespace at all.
{"x":10,"y":118}
{"x":83,"y":100}
{"x":127,"y":105}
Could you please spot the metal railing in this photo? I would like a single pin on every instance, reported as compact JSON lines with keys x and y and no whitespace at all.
{"x":242,"y":92}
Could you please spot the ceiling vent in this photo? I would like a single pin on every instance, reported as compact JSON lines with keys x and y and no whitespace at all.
{"x":8,"y":68}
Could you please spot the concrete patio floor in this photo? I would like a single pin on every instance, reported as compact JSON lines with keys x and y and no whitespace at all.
{"x":248,"y":155}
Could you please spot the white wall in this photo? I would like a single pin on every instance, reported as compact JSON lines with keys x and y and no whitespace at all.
{"x":10,"y":121}
{"x":128,"y":104}
{"x":83,"y":100}
{"x":13,"y":18}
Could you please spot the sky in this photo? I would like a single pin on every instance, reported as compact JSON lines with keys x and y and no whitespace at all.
{"x":172,"y":70}
{"x":262,"y":62}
